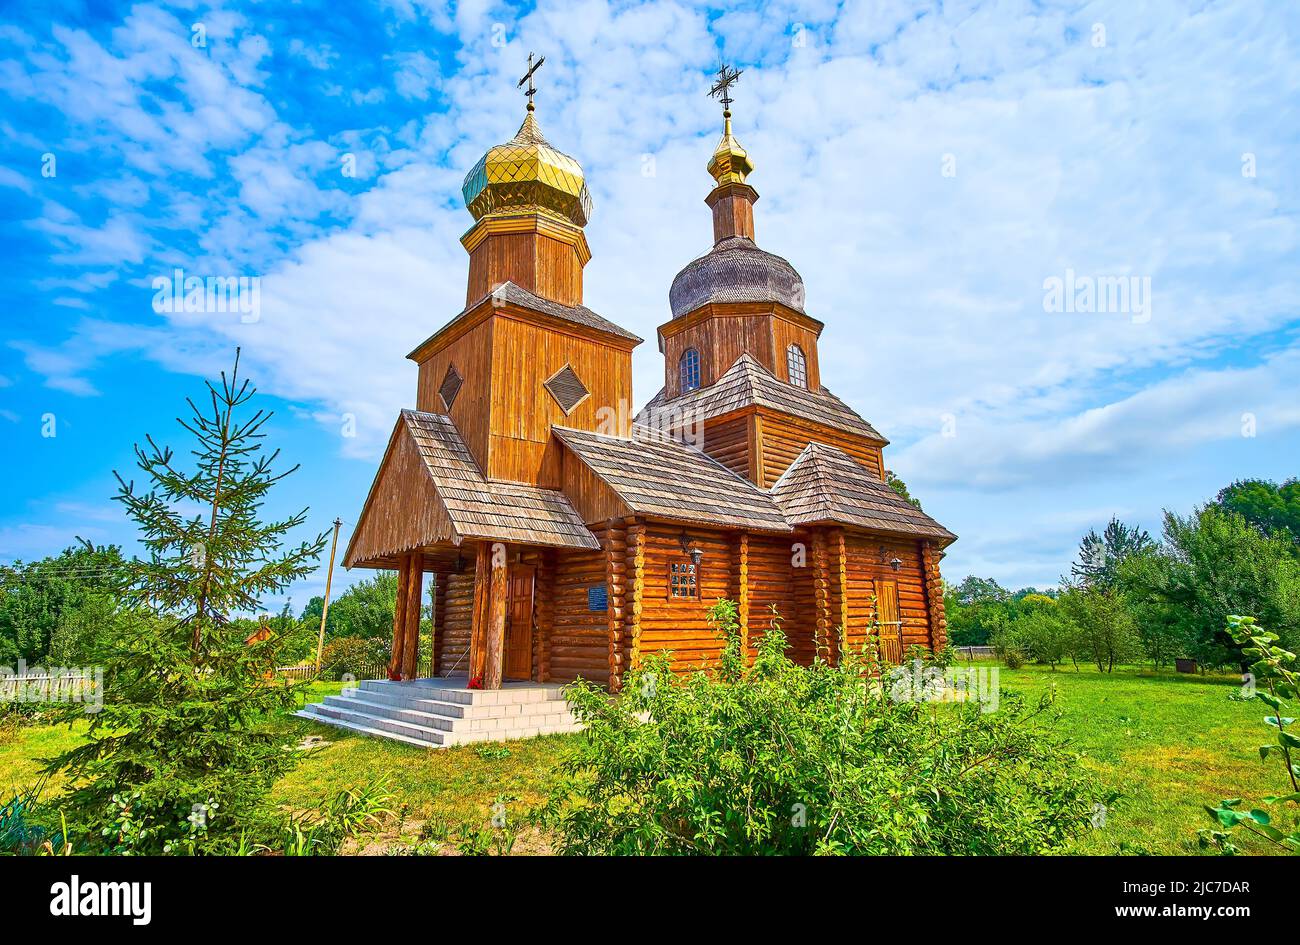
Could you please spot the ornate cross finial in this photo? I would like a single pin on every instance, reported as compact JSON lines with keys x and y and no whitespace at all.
{"x":528,"y":77}
{"x":722,"y":88}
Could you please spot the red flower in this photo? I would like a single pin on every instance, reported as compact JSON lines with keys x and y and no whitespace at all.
{"x":476,"y":682}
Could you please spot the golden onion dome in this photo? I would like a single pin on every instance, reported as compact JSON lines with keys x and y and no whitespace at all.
{"x":730,"y":163}
{"x":527,"y":174}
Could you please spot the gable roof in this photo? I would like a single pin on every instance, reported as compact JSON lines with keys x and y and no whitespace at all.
{"x":658,"y":476}
{"x":511,"y":294}
{"x":824,"y":484}
{"x":748,"y":383}
{"x":432,"y":475}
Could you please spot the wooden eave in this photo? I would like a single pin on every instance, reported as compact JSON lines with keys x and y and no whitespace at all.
{"x":489,"y":305}
{"x":738,"y":310}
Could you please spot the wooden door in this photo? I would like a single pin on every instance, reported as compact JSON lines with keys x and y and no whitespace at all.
{"x":891,"y":628}
{"x":519,"y":623}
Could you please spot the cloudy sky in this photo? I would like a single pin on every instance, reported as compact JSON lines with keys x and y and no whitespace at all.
{"x":932,"y":169}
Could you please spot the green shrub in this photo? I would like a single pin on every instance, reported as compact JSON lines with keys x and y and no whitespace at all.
{"x":349,"y":656}
{"x":1276,"y":675}
{"x":774,"y":758}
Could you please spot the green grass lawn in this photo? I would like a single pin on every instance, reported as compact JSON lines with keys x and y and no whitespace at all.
{"x":1167,"y":743}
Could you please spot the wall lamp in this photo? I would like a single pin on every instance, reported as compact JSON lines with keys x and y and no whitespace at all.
{"x":691,"y":549}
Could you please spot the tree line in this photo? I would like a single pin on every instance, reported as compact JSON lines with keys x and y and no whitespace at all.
{"x":1131,"y":597}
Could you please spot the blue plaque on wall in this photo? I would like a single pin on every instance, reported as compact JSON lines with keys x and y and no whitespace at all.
{"x":597,"y":598}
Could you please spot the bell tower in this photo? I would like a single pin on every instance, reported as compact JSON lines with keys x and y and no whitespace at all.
{"x":736,"y":299}
{"x":525,"y":354}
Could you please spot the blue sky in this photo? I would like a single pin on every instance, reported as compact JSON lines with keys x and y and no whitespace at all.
{"x":928,"y":168}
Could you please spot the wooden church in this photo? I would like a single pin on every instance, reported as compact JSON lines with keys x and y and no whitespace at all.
{"x":564,"y":540}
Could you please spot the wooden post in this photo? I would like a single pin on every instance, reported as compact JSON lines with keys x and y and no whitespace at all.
{"x":615,"y":570}
{"x":842,"y":594}
{"x":821,"y":595}
{"x":742,"y":593}
{"x":479,"y":617}
{"x":544,"y":592}
{"x":399,"y":616}
{"x":636,"y":589}
{"x":498,"y":603}
{"x":325,"y":608}
{"x":414,"y":605}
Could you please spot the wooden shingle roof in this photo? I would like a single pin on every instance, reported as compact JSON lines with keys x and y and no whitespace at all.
{"x":662,"y":477}
{"x":497,"y":511}
{"x":429,"y":491}
{"x":825,"y":485}
{"x":748,"y":383}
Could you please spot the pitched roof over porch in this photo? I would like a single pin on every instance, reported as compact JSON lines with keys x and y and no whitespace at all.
{"x":429,"y":491}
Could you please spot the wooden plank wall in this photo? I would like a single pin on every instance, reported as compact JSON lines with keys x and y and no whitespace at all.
{"x":784,"y":438}
{"x":578,"y":641}
{"x":864,"y":568}
{"x":727,"y":441}
{"x":471,"y":353}
{"x":676,"y":624}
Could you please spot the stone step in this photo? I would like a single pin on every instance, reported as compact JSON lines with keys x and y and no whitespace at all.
{"x":429,"y":732}
{"x":363,"y":729}
{"x":408,"y":730}
{"x":450,"y":692}
{"x":455,"y":710}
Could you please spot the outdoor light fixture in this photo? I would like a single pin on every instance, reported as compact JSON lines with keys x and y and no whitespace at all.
{"x":692,"y":551}
{"x":895,"y":564}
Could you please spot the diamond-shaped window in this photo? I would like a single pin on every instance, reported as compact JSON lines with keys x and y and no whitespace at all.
{"x":450,"y":386}
{"x":567,"y":389}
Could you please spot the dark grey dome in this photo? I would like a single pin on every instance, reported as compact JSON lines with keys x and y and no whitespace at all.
{"x":735,"y":270}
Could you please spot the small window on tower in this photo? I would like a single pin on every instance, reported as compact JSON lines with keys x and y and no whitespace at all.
{"x":690,"y":366}
{"x":796,"y":366}
{"x":450,"y":386}
{"x":567,"y":389}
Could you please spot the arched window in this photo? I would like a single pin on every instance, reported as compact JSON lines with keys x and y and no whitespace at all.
{"x":796,"y":366}
{"x":690,"y":368}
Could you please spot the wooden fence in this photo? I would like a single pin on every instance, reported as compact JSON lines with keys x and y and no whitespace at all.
{"x":41,"y":687}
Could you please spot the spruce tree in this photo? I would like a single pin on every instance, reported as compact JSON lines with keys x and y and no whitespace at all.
{"x":184,"y":749}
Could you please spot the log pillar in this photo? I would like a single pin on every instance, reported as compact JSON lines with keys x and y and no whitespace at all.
{"x":841,"y":576}
{"x":616,"y":586}
{"x":741,"y":571}
{"x":821,"y":595}
{"x":479,"y":616}
{"x":498,"y":603}
{"x":414,"y":605}
{"x":635,"y":590}
{"x":544,"y":595}
{"x":399,"y":617}
{"x":934,"y":596}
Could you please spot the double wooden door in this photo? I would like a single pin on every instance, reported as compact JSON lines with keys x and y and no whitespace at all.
{"x":519,"y":623}
{"x":891,"y":627}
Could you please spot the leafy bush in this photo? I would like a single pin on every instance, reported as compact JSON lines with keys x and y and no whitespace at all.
{"x":1276,"y":669}
{"x":774,"y":758}
{"x":349,"y":655}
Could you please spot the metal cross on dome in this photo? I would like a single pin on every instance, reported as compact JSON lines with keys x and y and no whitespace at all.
{"x":722,"y":88}
{"x":528,"y":77}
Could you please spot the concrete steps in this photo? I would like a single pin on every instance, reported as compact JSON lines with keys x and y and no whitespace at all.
{"x":435,"y":713}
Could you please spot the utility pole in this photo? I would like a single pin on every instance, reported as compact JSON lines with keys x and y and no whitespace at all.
{"x":329,"y":575}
